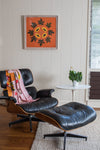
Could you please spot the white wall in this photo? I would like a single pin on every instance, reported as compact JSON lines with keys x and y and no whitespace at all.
{"x":49,"y":67}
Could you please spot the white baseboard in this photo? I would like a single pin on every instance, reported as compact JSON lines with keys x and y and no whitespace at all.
{"x":94,"y":103}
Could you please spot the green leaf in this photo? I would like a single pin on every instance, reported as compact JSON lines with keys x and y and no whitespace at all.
{"x":73,"y":75}
{"x":50,"y":32}
{"x":41,"y":22}
{"x":31,"y":32}
{"x":34,"y":24}
{"x":48,"y":25}
{"x":41,"y":42}
{"x":33,"y":39}
{"x":48,"y":39}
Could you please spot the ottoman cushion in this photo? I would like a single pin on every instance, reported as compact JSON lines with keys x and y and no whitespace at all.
{"x":69,"y":116}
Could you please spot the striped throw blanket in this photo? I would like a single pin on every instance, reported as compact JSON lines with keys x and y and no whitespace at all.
{"x":15,"y":87}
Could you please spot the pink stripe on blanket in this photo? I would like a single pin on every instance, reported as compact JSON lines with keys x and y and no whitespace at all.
{"x":20,"y":92}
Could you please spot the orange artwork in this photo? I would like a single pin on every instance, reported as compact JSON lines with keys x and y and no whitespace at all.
{"x":40,"y":32}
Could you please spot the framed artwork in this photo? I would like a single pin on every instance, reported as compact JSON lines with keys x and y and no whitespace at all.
{"x":40,"y":32}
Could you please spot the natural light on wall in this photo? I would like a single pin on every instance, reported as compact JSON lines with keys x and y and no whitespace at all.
{"x":95,"y":35}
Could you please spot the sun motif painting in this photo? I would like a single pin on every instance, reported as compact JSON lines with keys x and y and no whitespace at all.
{"x":40,"y":32}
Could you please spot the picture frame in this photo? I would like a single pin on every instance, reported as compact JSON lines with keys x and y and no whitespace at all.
{"x":40,"y":32}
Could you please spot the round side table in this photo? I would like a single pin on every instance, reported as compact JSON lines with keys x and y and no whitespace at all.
{"x":73,"y":88}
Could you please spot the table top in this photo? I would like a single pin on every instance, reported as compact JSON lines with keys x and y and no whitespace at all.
{"x":71,"y":87}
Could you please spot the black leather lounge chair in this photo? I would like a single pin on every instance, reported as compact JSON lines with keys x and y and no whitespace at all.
{"x":66,"y":117}
{"x":27,"y":111}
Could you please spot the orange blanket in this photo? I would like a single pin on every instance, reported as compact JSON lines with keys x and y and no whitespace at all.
{"x":16,"y":88}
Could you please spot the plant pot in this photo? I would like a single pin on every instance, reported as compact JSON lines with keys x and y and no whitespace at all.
{"x":75,"y":83}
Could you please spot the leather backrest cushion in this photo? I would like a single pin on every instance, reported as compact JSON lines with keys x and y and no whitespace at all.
{"x":26,"y":75}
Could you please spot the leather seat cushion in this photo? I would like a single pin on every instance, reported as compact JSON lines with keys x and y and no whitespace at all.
{"x":71,"y":115}
{"x":42,"y":103}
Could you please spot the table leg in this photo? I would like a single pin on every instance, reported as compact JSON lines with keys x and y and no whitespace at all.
{"x":73,"y":93}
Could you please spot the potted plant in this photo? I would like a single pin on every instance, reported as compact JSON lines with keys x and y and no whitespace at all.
{"x":75,"y":77}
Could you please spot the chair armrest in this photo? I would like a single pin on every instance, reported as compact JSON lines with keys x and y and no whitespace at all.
{"x":8,"y":98}
{"x":45,"y":93}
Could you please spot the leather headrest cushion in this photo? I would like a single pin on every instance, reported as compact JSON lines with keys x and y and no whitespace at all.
{"x":26,"y":75}
{"x":3,"y":79}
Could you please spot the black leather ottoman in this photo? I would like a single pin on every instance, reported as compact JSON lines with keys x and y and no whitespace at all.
{"x":67,"y":117}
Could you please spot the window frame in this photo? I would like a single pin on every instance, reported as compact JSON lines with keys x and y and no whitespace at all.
{"x":92,"y":102}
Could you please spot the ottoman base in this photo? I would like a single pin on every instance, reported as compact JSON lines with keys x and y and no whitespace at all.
{"x":65,"y":134}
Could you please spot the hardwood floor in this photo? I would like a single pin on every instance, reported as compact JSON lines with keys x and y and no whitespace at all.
{"x":16,"y":137}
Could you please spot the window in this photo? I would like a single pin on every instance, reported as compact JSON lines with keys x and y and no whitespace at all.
{"x":95,"y":35}
{"x":94,"y":55}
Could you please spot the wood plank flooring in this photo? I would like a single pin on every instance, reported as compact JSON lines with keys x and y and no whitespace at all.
{"x":16,"y":137}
